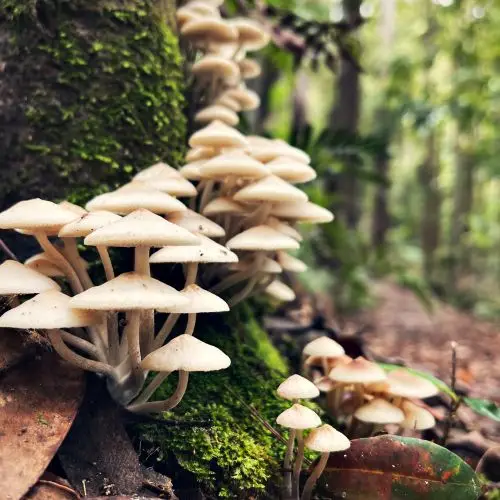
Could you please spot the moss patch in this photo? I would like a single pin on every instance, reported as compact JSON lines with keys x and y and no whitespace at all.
{"x":90,"y":92}
{"x":236,"y":456}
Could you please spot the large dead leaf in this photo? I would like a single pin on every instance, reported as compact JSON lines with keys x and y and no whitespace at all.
{"x":38,"y":402}
{"x":398,"y":468}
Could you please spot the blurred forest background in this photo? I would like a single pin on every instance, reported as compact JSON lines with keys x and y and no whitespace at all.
{"x":397,"y":102}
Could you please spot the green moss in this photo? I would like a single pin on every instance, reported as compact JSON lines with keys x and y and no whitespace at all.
{"x":92,"y":92}
{"x":235,"y":457}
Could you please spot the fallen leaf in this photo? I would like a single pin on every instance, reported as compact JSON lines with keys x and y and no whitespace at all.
{"x":39,"y":400}
{"x":397,"y":468}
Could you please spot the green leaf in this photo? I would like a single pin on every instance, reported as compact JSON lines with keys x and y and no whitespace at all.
{"x":431,"y":378}
{"x":398,"y":468}
{"x":484,"y":407}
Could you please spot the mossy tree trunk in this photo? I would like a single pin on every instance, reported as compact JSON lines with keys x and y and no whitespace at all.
{"x":90,"y":92}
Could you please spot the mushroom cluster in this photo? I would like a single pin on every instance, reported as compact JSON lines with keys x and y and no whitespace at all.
{"x":322,"y":438}
{"x":247,"y":185}
{"x":362,"y":391}
{"x":111,"y":326}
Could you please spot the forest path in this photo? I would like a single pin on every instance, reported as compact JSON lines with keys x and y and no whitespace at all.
{"x":399,"y":326}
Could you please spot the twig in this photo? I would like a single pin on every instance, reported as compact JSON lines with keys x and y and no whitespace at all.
{"x":450,"y":417}
{"x":59,"y":486}
{"x":8,"y":251}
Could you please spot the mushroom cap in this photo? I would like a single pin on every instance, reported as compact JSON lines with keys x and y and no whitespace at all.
{"x":88,"y":223}
{"x":19,"y":279}
{"x":270,"y":189}
{"x":141,"y":228}
{"x":358,"y":371}
{"x":416,"y":417}
{"x":404,"y":384}
{"x":270,"y":266}
{"x":298,"y":417}
{"x":297,"y":387}
{"x":279,"y":291}
{"x":249,"y":68}
{"x":302,"y":211}
{"x":284,"y":228}
{"x":291,"y":171}
{"x":185,"y":14}
{"x":217,"y":112}
{"x":192,"y":171}
{"x":48,"y":310}
{"x":216,"y":66}
{"x":207,"y":251}
{"x":217,"y":135}
{"x":262,"y":238}
{"x":202,"y":8}
{"x":379,"y":411}
{"x":233,"y":164}
{"x":229,"y":102}
{"x":125,"y":201}
{"x":324,"y":347}
{"x":273,"y":149}
{"x":187,"y":353}
{"x":200,"y":301}
{"x":37,"y":215}
{"x":325,"y":384}
{"x":129,"y":292}
{"x":174,"y":185}
{"x":292,"y":151}
{"x":209,"y":28}
{"x":196,"y":223}
{"x":223,"y":205}
{"x":41,"y":263}
{"x":251,"y":35}
{"x":326,"y":439}
{"x":155,"y":170}
{"x":291,"y":263}
{"x":197,"y":154}
{"x":72,"y":207}
{"x":247,"y":99}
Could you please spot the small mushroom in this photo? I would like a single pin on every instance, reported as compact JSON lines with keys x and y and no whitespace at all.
{"x":416,"y":417}
{"x":326,"y":440}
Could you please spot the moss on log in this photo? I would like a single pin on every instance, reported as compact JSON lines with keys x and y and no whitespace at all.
{"x":91,"y":91}
{"x":235,"y":456}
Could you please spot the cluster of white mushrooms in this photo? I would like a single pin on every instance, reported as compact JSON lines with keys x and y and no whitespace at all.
{"x":246,"y":184}
{"x":322,"y":438}
{"x":362,"y":391}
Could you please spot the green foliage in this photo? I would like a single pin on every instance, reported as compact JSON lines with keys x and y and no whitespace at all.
{"x":484,"y":407}
{"x":236,"y":456}
{"x":97,"y":88}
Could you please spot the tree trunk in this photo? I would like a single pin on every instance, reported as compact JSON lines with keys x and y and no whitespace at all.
{"x":264,"y":85}
{"x":90,"y":92}
{"x":430,"y":229}
{"x":299,"y":118}
{"x":345,"y":117}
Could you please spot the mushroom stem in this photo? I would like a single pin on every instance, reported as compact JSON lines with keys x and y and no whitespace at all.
{"x":258,"y":216}
{"x":133,"y":340}
{"x":166,"y":329}
{"x":147,"y":327}
{"x":315,"y":474}
{"x":150,"y":389}
{"x":141,"y":264}
{"x":287,"y":465}
{"x":207,"y":193}
{"x":73,"y":256}
{"x":297,"y":466}
{"x":56,"y":339}
{"x":106,"y":262}
{"x":79,"y":343}
{"x":60,"y":261}
{"x":113,"y":338}
{"x":191,"y":273}
{"x":245,"y":291}
{"x":191,"y":323}
{"x":167,"y":404}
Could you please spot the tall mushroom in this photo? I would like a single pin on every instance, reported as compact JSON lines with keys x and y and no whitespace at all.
{"x":326,"y":440}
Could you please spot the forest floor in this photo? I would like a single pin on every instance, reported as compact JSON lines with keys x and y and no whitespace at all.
{"x":400,"y":327}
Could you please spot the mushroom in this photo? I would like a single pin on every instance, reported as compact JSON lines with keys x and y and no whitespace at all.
{"x":19,"y":279}
{"x":326,"y":440}
{"x":290,"y":263}
{"x":42,"y":219}
{"x":217,"y":112}
{"x":379,"y":412}
{"x":325,"y":348}
{"x":207,"y":252}
{"x":51,"y":311}
{"x":251,"y":35}
{"x":294,"y":388}
{"x":403,"y":384}
{"x":279,"y":291}
{"x":249,"y":68}
{"x":296,"y":418}
{"x":133,"y":293}
{"x":416,"y":418}
{"x":42,"y":263}
{"x":302,"y":211}
{"x":196,"y":223}
{"x":291,"y":170}
{"x":186,"y":354}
